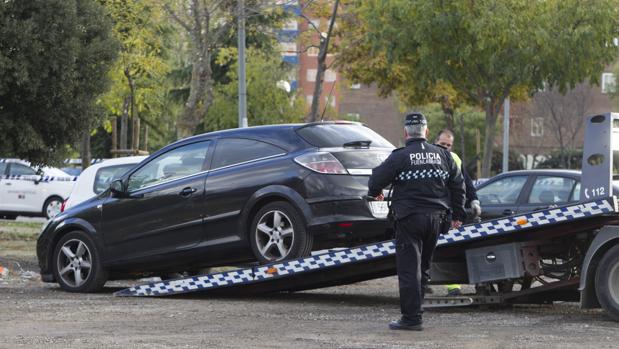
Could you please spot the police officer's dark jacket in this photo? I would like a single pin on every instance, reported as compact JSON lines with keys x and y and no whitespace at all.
{"x":425,"y":179}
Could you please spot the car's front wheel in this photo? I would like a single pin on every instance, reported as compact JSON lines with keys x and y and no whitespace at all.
{"x":52,"y":206}
{"x":278,"y":232}
{"x":77,"y":263}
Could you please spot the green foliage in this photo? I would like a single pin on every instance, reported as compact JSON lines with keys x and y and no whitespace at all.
{"x":54,"y":57}
{"x":266,"y":103}
{"x":144,"y":33}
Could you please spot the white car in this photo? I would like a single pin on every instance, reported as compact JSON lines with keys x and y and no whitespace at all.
{"x":97,"y":178}
{"x":28,"y":191}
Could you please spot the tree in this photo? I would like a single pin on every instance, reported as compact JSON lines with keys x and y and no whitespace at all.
{"x":325,"y":38}
{"x":486,"y":50}
{"x":54,"y":57}
{"x":267,"y":102}
{"x":563,"y":118}
{"x":139,"y":72}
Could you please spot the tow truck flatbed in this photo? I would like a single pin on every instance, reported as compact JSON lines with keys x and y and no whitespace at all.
{"x":378,"y":260}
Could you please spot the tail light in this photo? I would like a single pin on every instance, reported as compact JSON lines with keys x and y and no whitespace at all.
{"x":64,"y":203}
{"x":322,"y":163}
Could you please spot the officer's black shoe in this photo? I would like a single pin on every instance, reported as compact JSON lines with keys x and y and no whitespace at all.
{"x":401,"y":325}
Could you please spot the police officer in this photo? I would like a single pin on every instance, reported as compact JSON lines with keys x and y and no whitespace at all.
{"x":426,"y":185}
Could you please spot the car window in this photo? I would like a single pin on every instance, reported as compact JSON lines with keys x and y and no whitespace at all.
{"x":105,"y":176}
{"x":2,"y":168}
{"x":576,"y":193}
{"x":551,"y":190}
{"x":336,"y":135}
{"x":501,"y":192}
{"x":176,"y":163}
{"x":21,"y":170}
{"x":230,"y":151}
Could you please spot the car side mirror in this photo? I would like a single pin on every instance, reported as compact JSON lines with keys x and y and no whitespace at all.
{"x":118,"y":189}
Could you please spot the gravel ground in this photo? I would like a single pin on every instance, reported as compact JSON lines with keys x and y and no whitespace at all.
{"x":38,"y":315}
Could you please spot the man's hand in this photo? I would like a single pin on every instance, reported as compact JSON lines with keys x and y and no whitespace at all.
{"x":379,"y":197}
{"x":476,"y":206}
{"x":456,"y":224}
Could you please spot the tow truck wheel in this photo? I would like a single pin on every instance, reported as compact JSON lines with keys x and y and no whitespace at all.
{"x":77,"y":264}
{"x":607,"y":282}
{"x":52,"y":207}
{"x":278,"y":232}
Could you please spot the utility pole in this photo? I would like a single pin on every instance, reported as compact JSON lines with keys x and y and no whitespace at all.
{"x":241,"y":49}
{"x":506,"y":135}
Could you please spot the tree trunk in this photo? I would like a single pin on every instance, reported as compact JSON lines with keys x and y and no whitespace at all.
{"x":492,"y":112}
{"x":146,"y":137}
{"x":85,"y":150}
{"x":200,"y":95}
{"x":322,"y":65}
{"x":114,"y":135}
{"x":124,"y":123}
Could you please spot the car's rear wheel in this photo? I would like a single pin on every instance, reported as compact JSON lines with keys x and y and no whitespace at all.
{"x":52,"y":207}
{"x":607,"y":282}
{"x":278,"y":232}
{"x":77,"y":263}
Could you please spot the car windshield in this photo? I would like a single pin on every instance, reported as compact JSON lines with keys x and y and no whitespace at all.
{"x":338,"y":135}
{"x":106,"y":175}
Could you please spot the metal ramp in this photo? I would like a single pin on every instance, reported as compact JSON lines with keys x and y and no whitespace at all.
{"x":378,"y":260}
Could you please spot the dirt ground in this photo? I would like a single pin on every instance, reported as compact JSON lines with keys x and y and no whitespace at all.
{"x":38,"y":315}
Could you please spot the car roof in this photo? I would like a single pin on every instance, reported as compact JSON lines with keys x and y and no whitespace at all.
{"x":542,"y":171}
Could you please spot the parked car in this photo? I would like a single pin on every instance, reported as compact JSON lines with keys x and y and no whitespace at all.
{"x":30,"y":191}
{"x":262,"y":193}
{"x":97,"y":178}
{"x":528,"y":190}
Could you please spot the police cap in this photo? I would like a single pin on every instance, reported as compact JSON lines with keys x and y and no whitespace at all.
{"x":415,"y":118}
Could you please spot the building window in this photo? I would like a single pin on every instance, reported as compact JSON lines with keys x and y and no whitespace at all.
{"x":608,"y":82}
{"x":312,"y":51}
{"x":315,"y":22}
{"x":291,"y":25}
{"x":330,"y":75}
{"x":288,"y":47}
{"x":537,"y":127}
{"x":355,"y":86}
{"x":310,"y":75}
{"x":330,"y":100}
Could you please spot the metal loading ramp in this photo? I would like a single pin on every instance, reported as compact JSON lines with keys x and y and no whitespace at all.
{"x":378,"y":260}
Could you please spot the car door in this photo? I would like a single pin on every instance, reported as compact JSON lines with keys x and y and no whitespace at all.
{"x":164,"y":209}
{"x":240,"y":167}
{"x":21,"y":195}
{"x":500,"y":197}
{"x":548,"y":191}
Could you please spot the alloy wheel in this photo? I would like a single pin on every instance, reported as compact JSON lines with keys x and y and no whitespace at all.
{"x":53,"y":208}
{"x":74,"y":263}
{"x":274,"y":235}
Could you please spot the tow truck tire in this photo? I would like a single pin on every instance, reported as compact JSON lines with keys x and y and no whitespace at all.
{"x":607,"y":282}
{"x":52,"y":207}
{"x":278,"y":232}
{"x":77,"y":263}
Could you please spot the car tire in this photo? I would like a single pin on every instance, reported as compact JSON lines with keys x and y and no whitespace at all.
{"x":278,"y":232}
{"x":77,"y":263}
{"x":52,"y":207}
{"x":607,"y":282}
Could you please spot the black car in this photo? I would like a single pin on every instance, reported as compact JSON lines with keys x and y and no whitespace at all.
{"x":263,"y":193}
{"x":529,"y":190}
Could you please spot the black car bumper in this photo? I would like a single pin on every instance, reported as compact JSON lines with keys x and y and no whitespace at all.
{"x":347,"y":220}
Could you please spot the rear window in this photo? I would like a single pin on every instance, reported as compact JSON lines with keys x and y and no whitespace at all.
{"x":106,"y":175}
{"x":336,"y":135}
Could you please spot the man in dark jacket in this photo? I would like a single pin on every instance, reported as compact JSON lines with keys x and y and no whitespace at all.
{"x":427,"y":184}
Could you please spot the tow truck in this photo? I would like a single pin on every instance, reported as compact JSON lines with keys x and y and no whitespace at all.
{"x":562,"y":253}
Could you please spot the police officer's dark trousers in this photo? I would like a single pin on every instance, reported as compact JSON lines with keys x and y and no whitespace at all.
{"x":416,"y":237}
